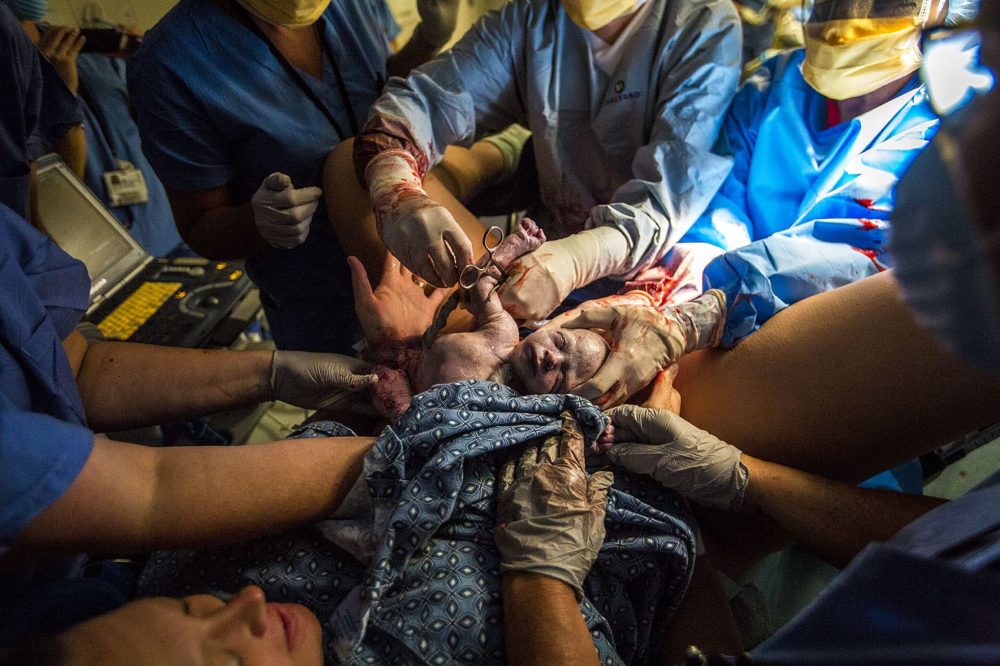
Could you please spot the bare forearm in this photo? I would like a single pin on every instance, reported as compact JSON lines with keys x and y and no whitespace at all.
{"x":72,"y":148}
{"x":224,"y":232}
{"x":262,"y":490}
{"x":125,"y":385}
{"x":136,"y":498}
{"x":543,"y":622}
{"x":834,"y":520}
{"x":415,"y":53}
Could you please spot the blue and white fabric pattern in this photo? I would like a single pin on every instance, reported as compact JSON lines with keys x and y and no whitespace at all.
{"x":432,"y":592}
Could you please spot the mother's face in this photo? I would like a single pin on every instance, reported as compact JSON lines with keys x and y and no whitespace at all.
{"x":200,"y":629}
{"x":557,"y":360}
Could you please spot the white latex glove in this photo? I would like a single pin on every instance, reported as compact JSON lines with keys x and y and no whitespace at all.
{"x":437,"y":20}
{"x":310,"y":379}
{"x":421,"y":233}
{"x":550,"y":515}
{"x":539,"y":281}
{"x":679,"y":456}
{"x":282,"y":213}
{"x":644,"y":340}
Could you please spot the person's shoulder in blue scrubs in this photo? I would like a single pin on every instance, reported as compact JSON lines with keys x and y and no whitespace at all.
{"x":36,"y":111}
{"x":44,"y":441}
{"x":112,"y":137}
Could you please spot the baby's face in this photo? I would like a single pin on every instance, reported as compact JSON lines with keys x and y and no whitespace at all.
{"x":557,"y":360}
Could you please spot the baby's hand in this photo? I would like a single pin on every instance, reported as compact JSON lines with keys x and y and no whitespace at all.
{"x":604,"y":442}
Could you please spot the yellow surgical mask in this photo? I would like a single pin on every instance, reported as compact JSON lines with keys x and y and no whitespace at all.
{"x":287,"y":13}
{"x":853,"y":57}
{"x":595,"y":14}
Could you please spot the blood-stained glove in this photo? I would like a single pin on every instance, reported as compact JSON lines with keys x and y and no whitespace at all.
{"x":644,"y":340}
{"x":282,"y":213}
{"x":539,"y":281}
{"x":437,"y":21}
{"x":421,"y":233}
{"x":310,"y":379}
{"x":678,"y":455}
{"x":550,"y":515}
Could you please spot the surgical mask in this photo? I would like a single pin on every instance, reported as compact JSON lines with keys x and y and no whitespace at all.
{"x":943,"y":263}
{"x":287,"y":13}
{"x":28,"y":10}
{"x":848,"y":56}
{"x":595,"y":14}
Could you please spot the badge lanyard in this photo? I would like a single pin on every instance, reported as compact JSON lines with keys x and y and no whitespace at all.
{"x":304,"y":85}
{"x":122,"y":168}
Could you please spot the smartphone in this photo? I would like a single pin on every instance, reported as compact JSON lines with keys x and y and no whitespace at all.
{"x":104,"y":40}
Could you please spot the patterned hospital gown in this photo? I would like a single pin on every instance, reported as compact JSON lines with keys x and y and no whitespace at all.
{"x":432,"y":592}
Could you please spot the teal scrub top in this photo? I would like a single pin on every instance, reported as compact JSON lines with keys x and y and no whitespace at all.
{"x":112,"y":135}
{"x":215,"y":107}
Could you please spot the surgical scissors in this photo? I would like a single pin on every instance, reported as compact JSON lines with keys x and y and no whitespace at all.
{"x":472,"y":273}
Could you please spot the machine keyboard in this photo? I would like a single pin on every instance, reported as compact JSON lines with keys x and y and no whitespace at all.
{"x":135,"y":310}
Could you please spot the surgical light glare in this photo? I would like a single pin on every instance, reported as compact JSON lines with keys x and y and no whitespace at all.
{"x":952,"y":72}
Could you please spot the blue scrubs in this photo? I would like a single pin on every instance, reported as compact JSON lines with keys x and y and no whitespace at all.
{"x":807,"y":205}
{"x":927,"y":596}
{"x":44,"y":441}
{"x":36,"y":110}
{"x":112,"y":135}
{"x":215,"y":108}
{"x":629,"y":147}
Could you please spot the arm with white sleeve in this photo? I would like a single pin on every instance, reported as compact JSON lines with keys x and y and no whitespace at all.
{"x":675,"y":175}
{"x":444,"y":102}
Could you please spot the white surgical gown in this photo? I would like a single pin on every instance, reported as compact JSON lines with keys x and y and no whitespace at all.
{"x":630,"y":149}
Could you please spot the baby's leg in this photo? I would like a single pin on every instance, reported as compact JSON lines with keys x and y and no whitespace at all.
{"x":484,"y":301}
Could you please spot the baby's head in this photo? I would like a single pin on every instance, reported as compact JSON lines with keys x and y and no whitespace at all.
{"x":557,"y":360}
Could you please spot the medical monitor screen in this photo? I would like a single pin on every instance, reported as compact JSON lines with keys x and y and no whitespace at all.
{"x":84,"y":229}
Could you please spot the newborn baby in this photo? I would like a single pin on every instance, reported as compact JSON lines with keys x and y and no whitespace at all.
{"x":547,"y":361}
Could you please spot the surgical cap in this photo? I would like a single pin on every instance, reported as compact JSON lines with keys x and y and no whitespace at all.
{"x":28,"y":10}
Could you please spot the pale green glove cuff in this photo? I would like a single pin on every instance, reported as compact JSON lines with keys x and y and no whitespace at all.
{"x":510,"y":142}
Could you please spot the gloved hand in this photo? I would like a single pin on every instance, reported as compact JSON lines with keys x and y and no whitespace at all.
{"x":539,"y":281}
{"x":550,"y":515}
{"x":421,"y":233}
{"x":437,"y":21}
{"x":309,"y":379}
{"x":678,"y":455}
{"x":282,"y":213}
{"x":644,"y":340}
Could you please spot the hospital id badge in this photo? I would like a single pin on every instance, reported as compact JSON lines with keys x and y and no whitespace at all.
{"x":126,"y":186}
